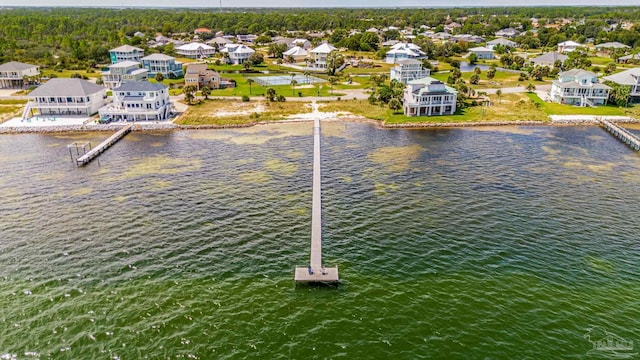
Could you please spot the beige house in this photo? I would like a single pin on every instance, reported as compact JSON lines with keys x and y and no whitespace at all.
{"x":319,"y":56}
{"x":200,"y":75}
{"x":13,"y":74}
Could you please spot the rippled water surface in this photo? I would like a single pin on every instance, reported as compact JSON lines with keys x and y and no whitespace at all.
{"x":487,"y":243}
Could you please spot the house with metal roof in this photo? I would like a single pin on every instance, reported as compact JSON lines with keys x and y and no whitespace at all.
{"x":549,"y":59}
{"x":579,"y":87}
{"x":195,"y":50}
{"x":125,"y":53}
{"x":319,"y":55}
{"x":428,"y":97}
{"x":164,"y":64}
{"x":407,"y":70}
{"x":296,"y":54}
{"x":236,"y":54}
{"x":15,"y":74}
{"x":482,"y":52}
{"x":404,"y":51}
{"x":611,"y":46}
{"x":569,"y":46}
{"x":65,"y":97}
{"x":630,"y":78}
{"x":138,"y":101}
{"x":501,"y":41}
{"x":122,"y":72}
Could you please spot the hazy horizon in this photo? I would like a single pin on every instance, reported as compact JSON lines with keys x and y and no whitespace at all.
{"x":313,"y":4}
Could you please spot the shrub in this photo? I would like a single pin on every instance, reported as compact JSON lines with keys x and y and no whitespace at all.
{"x":245,"y":98}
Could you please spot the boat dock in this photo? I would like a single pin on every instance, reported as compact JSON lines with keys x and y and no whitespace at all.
{"x":93,"y":153}
{"x":621,"y":133}
{"x":315,"y":272}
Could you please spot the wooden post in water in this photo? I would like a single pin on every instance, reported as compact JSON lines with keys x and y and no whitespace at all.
{"x":315,"y":272}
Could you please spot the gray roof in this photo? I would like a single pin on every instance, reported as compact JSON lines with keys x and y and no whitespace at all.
{"x":409,"y":62}
{"x":66,"y":87}
{"x":550,"y":57}
{"x":630,"y":57}
{"x":124,"y":64}
{"x":576,"y":85}
{"x":126,"y":48}
{"x":16,"y":66}
{"x":627,"y":77}
{"x":577,"y":72}
{"x":502,"y":41}
{"x":612,"y":45}
{"x":140,"y":86}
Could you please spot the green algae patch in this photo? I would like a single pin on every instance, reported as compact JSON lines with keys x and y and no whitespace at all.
{"x":157,"y":144}
{"x":281,"y":167}
{"x":381,"y":189}
{"x":255,"y":177}
{"x":162,"y":165}
{"x":396,"y":158}
{"x":347,"y":179}
{"x":551,"y":151}
{"x":599,"y":264}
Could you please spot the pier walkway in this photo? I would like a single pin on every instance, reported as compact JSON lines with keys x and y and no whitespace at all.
{"x":315,"y":272}
{"x":621,"y":133}
{"x":93,"y":153}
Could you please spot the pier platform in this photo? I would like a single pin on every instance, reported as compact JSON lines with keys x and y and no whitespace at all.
{"x":93,"y":153}
{"x":329,"y":275}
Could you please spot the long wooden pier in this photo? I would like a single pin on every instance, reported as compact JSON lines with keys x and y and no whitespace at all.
{"x":93,"y":153}
{"x":621,"y":133}
{"x":315,"y":272}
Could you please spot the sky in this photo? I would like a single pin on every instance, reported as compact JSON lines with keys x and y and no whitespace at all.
{"x":315,"y":3}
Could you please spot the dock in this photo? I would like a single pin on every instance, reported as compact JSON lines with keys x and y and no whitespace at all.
{"x":315,"y":272}
{"x":96,"y":151}
{"x":621,"y":133}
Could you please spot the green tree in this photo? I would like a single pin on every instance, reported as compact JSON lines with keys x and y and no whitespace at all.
{"x":334,"y":61}
{"x":619,"y":94}
{"x":395,"y":105}
{"x":293,"y":86}
{"x":189,"y":93}
{"x":159,"y":77}
{"x":332,"y":80}
{"x":271,"y":94}
{"x":499,"y":95}
{"x":473,"y":58}
{"x":206,"y":91}
{"x":491,"y":73}
{"x":474,"y":79}
{"x":531,"y":87}
{"x":250,"y":82}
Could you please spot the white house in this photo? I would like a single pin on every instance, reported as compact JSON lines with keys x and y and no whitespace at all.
{"x":138,"y":101}
{"x":482,"y":52}
{"x":297,"y":53}
{"x":568,"y":46}
{"x":501,"y":41}
{"x":319,"y":55}
{"x":404,"y":51}
{"x":508,"y":32}
{"x":13,"y":73}
{"x":303,"y":43}
{"x":428,"y":97}
{"x":407,"y":70}
{"x":125,"y":53}
{"x":579,"y":87}
{"x":630,"y":78}
{"x":164,"y":64}
{"x":236,"y":54}
{"x":65,"y":97}
{"x":549,"y":59}
{"x":123,"y":71}
{"x":195,"y":50}
{"x":611,"y":46}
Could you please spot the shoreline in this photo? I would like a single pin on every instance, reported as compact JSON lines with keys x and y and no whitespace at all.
{"x":570,"y":120}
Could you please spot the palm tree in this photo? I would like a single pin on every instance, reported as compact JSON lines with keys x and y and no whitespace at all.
{"x":332,"y":80}
{"x":293,"y":86}
{"x":189,"y":92}
{"x":159,"y":77}
{"x":499,"y":95}
{"x":250,"y":81}
{"x":205,"y":92}
{"x":531,"y":87}
{"x":306,"y":75}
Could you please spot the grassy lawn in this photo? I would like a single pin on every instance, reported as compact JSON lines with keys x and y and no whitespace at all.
{"x":601,"y":60}
{"x":510,"y":107}
{"x":9,"y":110}
{"x":225,"y":112}
{"x":68,"y":73}
{"x":501,"y":80}
{"x":561,"y":109}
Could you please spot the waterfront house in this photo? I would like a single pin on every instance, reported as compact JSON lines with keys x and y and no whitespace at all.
{"x":195,"y":50}
{"x":164,"y":64}
{"x":579,"y":87}
{"x":65,"y":97}
{"x":296,"y":53}
{"x":125,"y":53}
{"x":236,"y":54}
{"x":404,"y":51}
{"x":630,"y":78}
{"x":123,"y":71}
{"x":138,"y":101}
{"x":482,"y":52}
{"x":428,"y":97}
{"x":549,"y":59}
{"x":319,"y":55}
{"x":407,"y":70}
{"x":501,"y":41}
{"x":568,"y":46}
{"x":13,"y":74}
{"x":200,"y":75}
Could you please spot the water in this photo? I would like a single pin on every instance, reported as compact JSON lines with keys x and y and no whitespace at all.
{"x":466,"y":67}
{"x":452,"y":243}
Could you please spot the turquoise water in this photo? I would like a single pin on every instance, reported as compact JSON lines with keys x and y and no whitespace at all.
{"x":454,"y":243}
